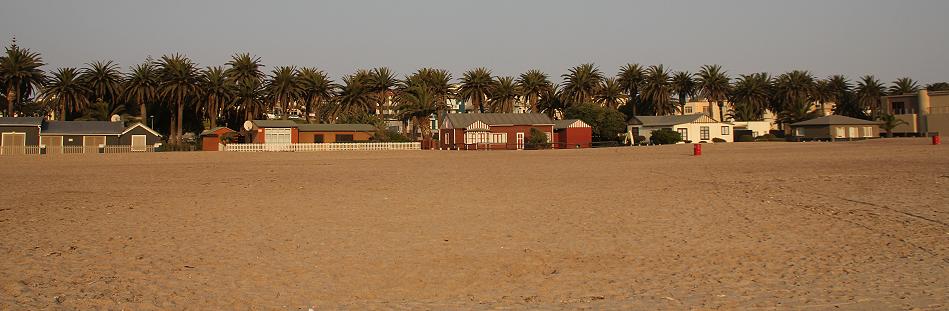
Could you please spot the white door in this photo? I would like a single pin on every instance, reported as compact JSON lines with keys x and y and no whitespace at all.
{"x":13,"y":143}
{"x":520,"y":140}
{"x":280,"y":136}
{"x":138,"y":143}
{"x":839,"y":131}
{"x":854,"y":133}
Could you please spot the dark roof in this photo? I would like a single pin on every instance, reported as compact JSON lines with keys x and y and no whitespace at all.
{"x":671,"y":120}
{"x":835,"y":120}
{"x":20,"y":121}
{"x":462,"y":120}
{"x":562,"y":124}
{"x":337,"y":128}
{"x":211,"y":131}
{"x":83,"y":128}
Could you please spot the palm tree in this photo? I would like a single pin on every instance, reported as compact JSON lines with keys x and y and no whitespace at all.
{"x":938,"y":86}
{"x":66,"y":92}
{"x":531,"y":85}
{"x":284,"y":86}
{"x":104,"y":80}
{"x":684,"y":86}
{"x":631,"y":77}
{"x":355,"y":96}
{"x":904,"y":85}
{"x":749,"y":96}
{"x":657,"y":89}
{"x":216,"y":91}
{"x":476,"y":85}
{"x":581,"y":83}
{"x":797,"y":111}
{"x":823,"y":93}
{"x":869,"y":91}
{"x":249,"y":99}
{"x":179,"y":83}
{"x":550,"y":102}
{"x":243,"y":67}
{"x":793,"y":88}
{"x":504,"y":95}
{"x":316,"y":88}
{"x":421,"y":95}
{"x":714,"y":85}
{"x":381,"y":82}
{"x":20,"y":72}
{"x":842,"y":96}
{"x":102,"y":111}
{"x":141,"y":86}
{"x":610,"y":93}
{"x":888,"y":122}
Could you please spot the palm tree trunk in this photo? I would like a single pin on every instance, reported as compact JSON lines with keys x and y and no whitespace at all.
{"x":181,"y":112}
{"x":212,"y":114}
{"x":143,"y":112}
{"x":634,"y":94}
{"x":721,"y":112}
{"x":682,"y":104}
{"x":480,"y":104}
{"x":172,"y":138}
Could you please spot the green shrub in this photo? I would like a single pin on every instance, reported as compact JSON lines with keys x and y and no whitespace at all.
{"x":718,"y":140}
{"x":537,"y":140}
{"x":665,"y":137}
{"x":606,"y":122}
{"x":390,"y":136}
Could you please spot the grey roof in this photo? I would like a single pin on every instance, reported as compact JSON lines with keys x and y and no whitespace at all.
{"x":83,"y":128}
{"x":20,"y":121}
{"x":562,"y":124}
{"x":337,"y":128}
{"x":275,"y":123}
{"x":668,"y":120}
{"x":460,"y":120}
{"x":212,"y":130}
{"x":835,"y":120}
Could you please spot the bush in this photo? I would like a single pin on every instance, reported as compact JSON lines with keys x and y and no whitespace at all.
{"x":390,"y":136}
{"x":718,"y":140}
{"x":665,"y":137}
{"x":606,"y":122}
{"x":537,"y":140}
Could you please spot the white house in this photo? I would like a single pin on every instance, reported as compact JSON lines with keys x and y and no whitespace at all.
{"x":694,"y":128}
{"x":757,"y":128}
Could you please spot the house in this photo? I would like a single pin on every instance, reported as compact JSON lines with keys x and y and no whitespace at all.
{"x":751,"y":128}
{"x":697,"y":127}
{"x":923,"y":113}
{"x":835,"y":127}
{"x":491,"y":130}
{"x":572,"y":133}
{"x":290,"y":132}
{"x":58,"y":136}
{"x":18,"y":133}
{"x":211,"y":138}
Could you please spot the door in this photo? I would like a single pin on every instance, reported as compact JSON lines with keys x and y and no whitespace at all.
{"x":278,"y":136}
{"x":54,"y":144}
{"x":520,"y":140}
{"x":90,"y":144}
{"x":854,"y":133}
{"x":13,"y":143}
{"x":138,"y":143}
{"x":838,"y":132}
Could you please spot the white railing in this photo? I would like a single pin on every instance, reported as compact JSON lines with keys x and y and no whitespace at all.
{"x":58,"y":150}
{"x":321,"y":147}
{"x":127,"y":149}
{"x":19,"y":150}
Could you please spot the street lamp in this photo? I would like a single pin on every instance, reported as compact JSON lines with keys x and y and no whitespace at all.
{"x":152,"y":119}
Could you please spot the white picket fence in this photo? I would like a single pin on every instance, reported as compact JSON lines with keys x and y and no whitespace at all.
{"x":56,"y":150}
{"x":314,"y":147}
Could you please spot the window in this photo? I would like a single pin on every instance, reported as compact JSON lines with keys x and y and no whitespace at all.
{"x":705,"y":109}
{"x":13,"y":143}
{"x":684,"y":132}
{"x":899,"y":108}
{"x":277,"y":136}
{"x":867,"y":131}
{"x":687,"y":110}
{"x":54,"y":144}
{"x":726,"y":131}
{"x":853,"y":132}
{"x":344,"y":138}
{"x":550,"y":137}
{"x":839,"y":132}
{"x":485,"y":138}
{"x":318,"y":138}
{"x":703,"y":133}
{"x":799,"y":132}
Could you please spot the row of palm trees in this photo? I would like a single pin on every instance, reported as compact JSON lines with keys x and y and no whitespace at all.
{"x":241,"y":90}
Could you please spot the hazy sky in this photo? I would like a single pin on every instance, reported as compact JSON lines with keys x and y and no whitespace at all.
{"x":854,"y":37}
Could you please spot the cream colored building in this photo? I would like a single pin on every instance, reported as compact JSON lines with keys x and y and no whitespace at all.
{"x":696,"y":127}
{"x":924,"y":113}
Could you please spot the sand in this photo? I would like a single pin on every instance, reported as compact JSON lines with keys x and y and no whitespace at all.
{"x":849,"y":225}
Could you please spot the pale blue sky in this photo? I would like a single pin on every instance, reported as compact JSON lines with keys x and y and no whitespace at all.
{"x":854,"y":37}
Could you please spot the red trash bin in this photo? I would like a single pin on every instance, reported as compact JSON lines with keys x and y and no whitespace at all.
{"x":697,"y":149}
{"x":936,"y":140}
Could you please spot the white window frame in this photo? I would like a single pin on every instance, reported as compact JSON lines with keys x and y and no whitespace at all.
{"x":854,"y":132}
{"x":684,"y":130}
{"x":840,"y":132}
{"x":705,"y":133}
{"x":867,"y":131}
{"x":687,"y":110}
{"x":726,"y":131}
{"x":3,"y":138}
{"x":276,"y":132}
{"x":143,"y":146}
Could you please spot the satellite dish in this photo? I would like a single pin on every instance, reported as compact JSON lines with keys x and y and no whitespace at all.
{"x":248,"y":125}
{"x":116,"y":118}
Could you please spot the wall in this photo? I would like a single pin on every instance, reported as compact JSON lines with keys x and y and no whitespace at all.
{"x":512,"y":131}
{"x":330,"y":137}
{"x":829,"y":132}
{"x":694,"y":131}
{"x":571,"y":137}
{"x":77,"y":139}
{"x":938,"y":123}
{"x":760,"y":127}
{"x":150,"y":138}
{"x":32,"y":133}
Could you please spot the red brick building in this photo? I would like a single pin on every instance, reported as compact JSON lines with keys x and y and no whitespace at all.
{"x":290,"y":132}
{"x":471,"y":131}
{"x":211,"y":139}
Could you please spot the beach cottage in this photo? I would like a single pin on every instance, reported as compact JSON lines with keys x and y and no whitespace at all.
{"x":290,"y":132}
{"x":470,"y":131}
{"x":17,"y":134}
{"x":835,"y":127}
{"x":696,"y":128}
{"x":572,"y":133}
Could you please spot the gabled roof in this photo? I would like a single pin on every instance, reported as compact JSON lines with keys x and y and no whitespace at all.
{"x":671,"y":120}
{"x":213,"y":130}
{"x":463,"y":120}
{"x":835,"y":120}
{"x":83,"y":128}
{"x":562,"y":124}
{"x":336,"y":128}
{"x":20,"y":121}
{"x":141,"y":125}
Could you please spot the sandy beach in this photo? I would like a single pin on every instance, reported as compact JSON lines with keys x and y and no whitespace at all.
{"x":816,"y":226}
